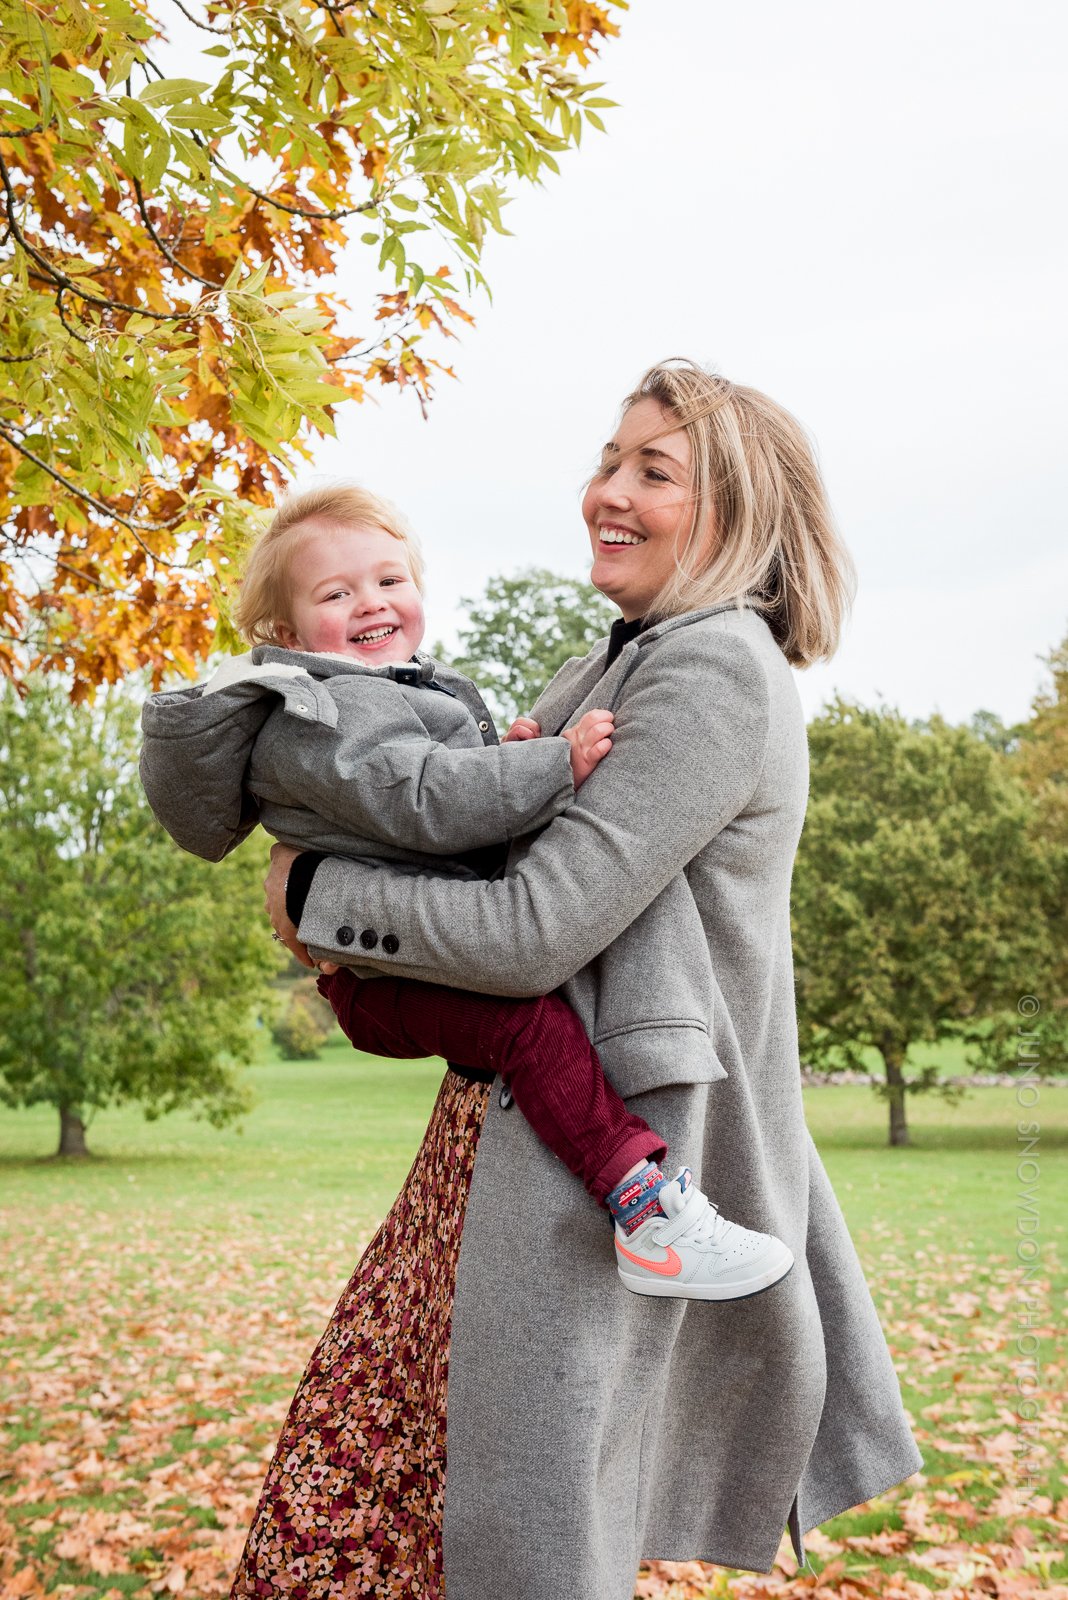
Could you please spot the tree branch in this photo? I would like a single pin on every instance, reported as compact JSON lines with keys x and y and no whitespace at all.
{"x":86,"y":577}
{"x":97,"y":505}
{"x":60,"y":279}
{"x":20,"y":549}
{"x":260,"y":194}
{"x":379,"y":344}
{"x":207,"y":26}
{"x":283,"y":205}
{"x":63,"y":318}
{"x":161,"y":246}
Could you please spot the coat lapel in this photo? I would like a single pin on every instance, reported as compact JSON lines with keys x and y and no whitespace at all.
{"x":580,"y":685}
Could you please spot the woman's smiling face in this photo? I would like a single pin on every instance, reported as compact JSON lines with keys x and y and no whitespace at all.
{"x":638,"y":508}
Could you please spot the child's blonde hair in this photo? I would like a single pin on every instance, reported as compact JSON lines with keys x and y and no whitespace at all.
{"x":264,"y":599}
{"x":774,"y":538}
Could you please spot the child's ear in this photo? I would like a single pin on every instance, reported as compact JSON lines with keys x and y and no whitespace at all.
{"x":286,"y":636}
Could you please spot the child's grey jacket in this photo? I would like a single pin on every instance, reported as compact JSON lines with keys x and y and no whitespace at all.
{"x":329,"y":754}
{"x":588,"y":1426}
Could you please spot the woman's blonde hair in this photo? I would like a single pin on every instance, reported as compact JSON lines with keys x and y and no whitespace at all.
{"x":774,"y":541}
{"x":264,"y":599}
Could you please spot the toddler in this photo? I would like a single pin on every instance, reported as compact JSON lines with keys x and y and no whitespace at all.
{"x":340,"y":737}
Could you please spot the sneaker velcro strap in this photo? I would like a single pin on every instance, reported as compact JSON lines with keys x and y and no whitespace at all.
{"x":697,"y":1205}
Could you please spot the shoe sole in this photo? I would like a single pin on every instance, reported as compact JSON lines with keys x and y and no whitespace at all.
{"x":669,"y":1289}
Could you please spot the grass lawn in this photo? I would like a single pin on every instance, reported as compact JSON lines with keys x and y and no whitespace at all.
{"x":159,"y":1302}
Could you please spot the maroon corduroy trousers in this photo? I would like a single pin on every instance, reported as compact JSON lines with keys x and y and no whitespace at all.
{"x":539,"y":1047}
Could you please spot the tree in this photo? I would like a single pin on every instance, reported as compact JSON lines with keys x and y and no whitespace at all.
{"x":169,"y":337}
{"x":1041,"y":759}
{"x":921,"y":895}
{"x":1042,"y":746}
{"x":522,"y":631}
{"x":128,"y":970}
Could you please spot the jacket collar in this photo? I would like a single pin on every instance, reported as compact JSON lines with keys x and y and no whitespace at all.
{"x":583,"y":684}
{"x":669,"y":624}
{"x":419,"y":670}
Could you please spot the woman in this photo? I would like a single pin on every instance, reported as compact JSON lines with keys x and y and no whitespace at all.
{"x":586,"y":1428}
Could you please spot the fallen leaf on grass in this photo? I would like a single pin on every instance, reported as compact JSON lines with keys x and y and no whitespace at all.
{"x":889,"y":1543}
{"x":173,"y":1583}
{"x":674,"y":1580}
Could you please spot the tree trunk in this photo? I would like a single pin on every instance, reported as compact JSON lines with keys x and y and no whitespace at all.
{"x":894,"y":1057}
{"x":71,"y":1133}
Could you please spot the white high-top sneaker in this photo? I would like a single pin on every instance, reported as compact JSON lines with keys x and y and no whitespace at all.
{"x":692,"y":1253}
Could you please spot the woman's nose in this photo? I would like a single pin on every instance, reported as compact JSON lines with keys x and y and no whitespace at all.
{"x":613,"y":493}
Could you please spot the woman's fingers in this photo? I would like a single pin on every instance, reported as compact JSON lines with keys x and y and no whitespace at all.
{"x":274,"y":895}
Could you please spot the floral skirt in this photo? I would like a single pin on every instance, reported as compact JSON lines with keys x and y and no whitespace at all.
{"x":352,"y":1503}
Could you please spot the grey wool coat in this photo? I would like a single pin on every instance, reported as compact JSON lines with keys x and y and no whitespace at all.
{"x":589,"y":1427}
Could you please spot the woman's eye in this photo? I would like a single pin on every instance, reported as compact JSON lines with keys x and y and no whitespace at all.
{"x":607,"y":468}
{"x":657,"y":477}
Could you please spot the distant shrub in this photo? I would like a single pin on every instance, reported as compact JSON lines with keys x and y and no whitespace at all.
{"x":304,"y":1024}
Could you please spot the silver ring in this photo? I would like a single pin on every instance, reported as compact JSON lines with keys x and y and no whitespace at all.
{"x":277,"y":937}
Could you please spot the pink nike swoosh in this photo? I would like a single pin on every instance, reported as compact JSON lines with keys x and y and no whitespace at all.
{"x":667,"y":1269}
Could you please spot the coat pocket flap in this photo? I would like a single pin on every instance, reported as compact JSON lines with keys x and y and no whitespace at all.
{"x":651,"y":1055}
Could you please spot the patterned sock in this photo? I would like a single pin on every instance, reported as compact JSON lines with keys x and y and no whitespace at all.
{"x":635,"y":1200}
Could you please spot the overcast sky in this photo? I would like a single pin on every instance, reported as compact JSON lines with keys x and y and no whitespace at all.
{"x":856,"y":209}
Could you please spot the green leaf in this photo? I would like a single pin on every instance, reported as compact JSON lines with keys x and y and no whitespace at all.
{"x":209,"y":119}
{"x":170,"y":91}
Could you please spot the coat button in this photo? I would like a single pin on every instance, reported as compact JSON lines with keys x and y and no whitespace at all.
{"x":390,"y":943}
{"x":504,"y":1099}
{"x":345,"y":934}
{"x":368,"y":938}
{"x":483,"y":727}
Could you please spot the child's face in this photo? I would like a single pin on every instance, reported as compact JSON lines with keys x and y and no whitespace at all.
{"x":352,"y":594}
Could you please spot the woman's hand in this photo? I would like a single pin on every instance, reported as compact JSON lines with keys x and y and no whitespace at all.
{"x":274,"y":895}
{"x":590,"y":740}
{"x":522,"y":728}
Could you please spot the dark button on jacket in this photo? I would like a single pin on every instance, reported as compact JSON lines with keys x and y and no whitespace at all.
{"x":368,"y":938}
{"x":390,"y":944}
{"x":345,"y":934}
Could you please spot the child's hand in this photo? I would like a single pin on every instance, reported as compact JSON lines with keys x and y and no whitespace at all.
{"x":522,"y":728}
{"x":590,"y":740}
